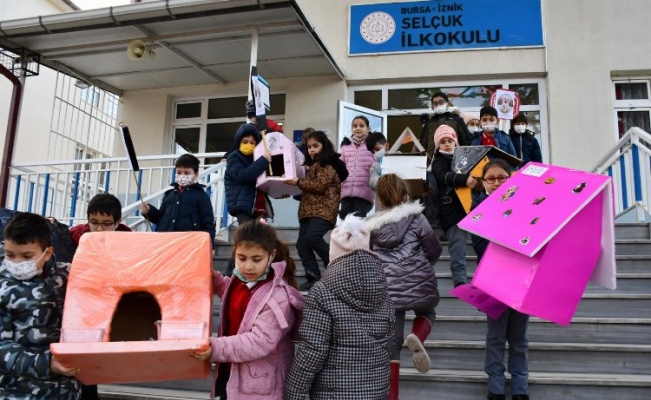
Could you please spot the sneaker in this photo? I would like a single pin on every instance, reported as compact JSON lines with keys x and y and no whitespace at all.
{"x":305,"y":287}
{"x":418,"y":353}
{"x":492,"y":396}
{"x":457,"y":284}
{"x":520,"y":397}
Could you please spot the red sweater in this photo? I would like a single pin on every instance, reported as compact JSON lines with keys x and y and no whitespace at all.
{"x":238,"y":301}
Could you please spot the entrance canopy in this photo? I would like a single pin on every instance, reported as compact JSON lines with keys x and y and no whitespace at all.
{"x":195,"y":42}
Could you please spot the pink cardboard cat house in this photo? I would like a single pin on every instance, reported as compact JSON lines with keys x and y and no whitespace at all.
{"x":286,"y":163}
{"x":135,"y":306}
{"x":551,"y":230}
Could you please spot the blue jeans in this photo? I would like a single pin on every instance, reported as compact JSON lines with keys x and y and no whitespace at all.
{"x":510,"y":327}
{"x":457,"y":238}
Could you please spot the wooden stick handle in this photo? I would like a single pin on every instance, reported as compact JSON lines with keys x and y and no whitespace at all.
{"x":266,"y":149}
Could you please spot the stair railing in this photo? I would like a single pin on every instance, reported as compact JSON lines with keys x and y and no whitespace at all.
{"x":628,"y":162}
{"x":62,"y":189}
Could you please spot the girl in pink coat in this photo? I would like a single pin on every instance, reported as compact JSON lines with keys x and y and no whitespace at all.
{"x":357,"y":196}
{"x":259,"y":313}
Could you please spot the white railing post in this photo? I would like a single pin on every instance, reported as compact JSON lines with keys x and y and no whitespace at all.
{"x":629,"y":164}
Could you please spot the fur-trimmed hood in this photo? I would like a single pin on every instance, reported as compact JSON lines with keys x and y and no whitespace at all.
{"x":388,"y":227}
{"x":392,"y":215}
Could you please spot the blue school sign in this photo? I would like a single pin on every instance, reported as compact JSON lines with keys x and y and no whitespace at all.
{"x":444,"y":25}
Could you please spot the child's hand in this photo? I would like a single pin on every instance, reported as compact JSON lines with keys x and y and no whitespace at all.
{"x":292,"y":181}
{"x":200,"y":354}
{"x":144,"y":208}
{"x":267,"y":155}
{"x":471,"y":182}
{"x":57,"y":368}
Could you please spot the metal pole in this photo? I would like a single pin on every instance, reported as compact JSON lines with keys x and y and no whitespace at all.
{"x":12,"y":128}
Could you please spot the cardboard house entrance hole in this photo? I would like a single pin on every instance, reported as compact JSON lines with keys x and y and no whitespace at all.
{"x":286,"y":163}
{"x":129,"y":315}
{"x":551,"y":230}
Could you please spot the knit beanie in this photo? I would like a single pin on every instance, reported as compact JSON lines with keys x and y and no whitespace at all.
{"x":444,"y":131}
{"x":467,"y":117}
{"x":349,"y":236}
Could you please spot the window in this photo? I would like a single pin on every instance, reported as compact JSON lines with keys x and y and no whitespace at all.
{"x":91,"y":96}
{"x":406,"y":104}
{"x":632,"y":105}
{"x":208,"y":125}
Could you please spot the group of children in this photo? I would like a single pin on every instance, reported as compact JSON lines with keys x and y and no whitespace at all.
{"x":349,"y":330}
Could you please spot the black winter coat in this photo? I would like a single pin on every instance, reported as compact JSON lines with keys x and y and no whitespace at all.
{"x":189,"y":210}
{"x":526,"y":147}
{"x":451,"y":210}
{"x":240,"y":182}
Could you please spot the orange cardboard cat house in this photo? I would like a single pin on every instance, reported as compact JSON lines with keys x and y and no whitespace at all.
{"x":136,"y":304}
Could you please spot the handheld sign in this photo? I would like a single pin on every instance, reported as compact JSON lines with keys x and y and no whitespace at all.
{"x":128,"y":146}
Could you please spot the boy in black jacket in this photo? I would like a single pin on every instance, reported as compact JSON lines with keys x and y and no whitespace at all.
{"x":185,"y":207}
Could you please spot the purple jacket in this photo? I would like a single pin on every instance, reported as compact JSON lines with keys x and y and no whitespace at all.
{"x":262,"y":351}
{"x":358,"y":162}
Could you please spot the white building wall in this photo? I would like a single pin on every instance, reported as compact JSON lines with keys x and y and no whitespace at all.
{"x":309,"y":102}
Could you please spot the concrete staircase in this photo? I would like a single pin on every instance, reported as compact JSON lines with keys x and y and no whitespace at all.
{"x":605,"y":352}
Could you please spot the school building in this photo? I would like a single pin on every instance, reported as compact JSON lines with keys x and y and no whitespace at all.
{"x":581,"y":70}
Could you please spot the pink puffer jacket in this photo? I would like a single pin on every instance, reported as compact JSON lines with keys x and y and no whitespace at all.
{"x":262,"y":351}
{"x":358,"y":162}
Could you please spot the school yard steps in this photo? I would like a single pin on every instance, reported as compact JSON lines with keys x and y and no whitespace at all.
{"x":604,"y":353}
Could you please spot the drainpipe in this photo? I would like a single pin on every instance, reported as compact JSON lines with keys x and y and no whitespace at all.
{"x":10,"y":137}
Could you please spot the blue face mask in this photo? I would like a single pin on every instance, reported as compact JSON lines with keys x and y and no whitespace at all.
{"x":261,"y":278}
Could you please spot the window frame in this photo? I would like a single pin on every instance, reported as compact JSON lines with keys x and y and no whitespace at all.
{"x":541,"y":108}
{"x":629,"y":104}
{"x":203,"y":121}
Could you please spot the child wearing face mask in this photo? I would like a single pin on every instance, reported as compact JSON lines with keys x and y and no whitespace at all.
{"x":511,"y":326}
{"x":32,"y":291}
{"x":259,"y":313}
{"x":245,"y":202}
{"x":451,"y":210}
{"x":525,"y":144}
{"x":472,"y":123}
{"x":357,"y":196}
{"x":185,"y":207}
{"x":490,"y":134}
{"x":377,"y":144}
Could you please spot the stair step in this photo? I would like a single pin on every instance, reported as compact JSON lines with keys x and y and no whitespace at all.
{"x":543,"y":357}
{"x":581,"y":330}
{"x":592,"y":305}
{"x":448,"y":384}
{"x":438,"y":384}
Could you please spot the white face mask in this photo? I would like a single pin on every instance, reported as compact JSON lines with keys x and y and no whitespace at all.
{"x":380,"y":153}
{"x":441,"y":109}
{"x":23,"y":270}
{"x":520,"y":128}
{"x":474,"y":129}
{"x":184,"y":180}
{"x":488,"y":127}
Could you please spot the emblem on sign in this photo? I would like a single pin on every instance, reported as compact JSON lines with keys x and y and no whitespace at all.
{"x":377,"y":27}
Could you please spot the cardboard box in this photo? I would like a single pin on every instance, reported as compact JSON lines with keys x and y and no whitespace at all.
{"x":286,"y":163}
{"x":551,"y":231}
{"x":136,"y":304}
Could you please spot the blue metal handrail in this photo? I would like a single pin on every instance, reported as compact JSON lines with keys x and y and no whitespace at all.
{"x":628,"y":162}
